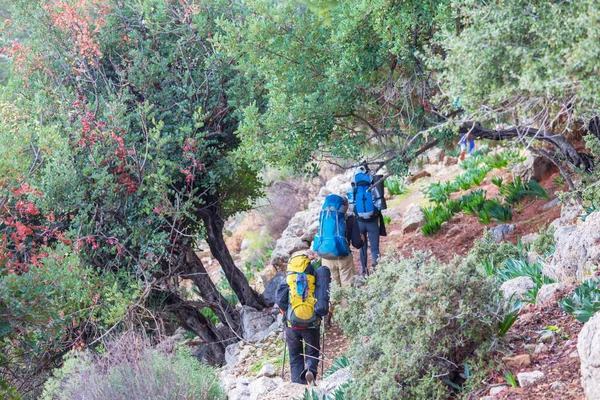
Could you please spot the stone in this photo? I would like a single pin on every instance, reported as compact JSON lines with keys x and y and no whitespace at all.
{"x":577,"y":252}
{"x":547,"y":337}
{"x":262,"y":386}
{"x":392,"y":213}
{"x":448,"y":161}
{"x":245,"y":244}
{"x":310,"y":232}
{"x":552,"y":203}
{"x":528,"y":379}
{"x":516,"y":287}
{"x":546,"y":293}
{"x":239,"y":393}
{"x":540,"y":348}
{"x":534,"y":167}
{"x":395,"y":233}
{"x":330,"y":384}
{"x":520,"y":361}
{"x":417,"y":175}
{"x":530,"y":238}
{"x":324,"y":192}
{"x":270,"y":293}
{"x":254,"y":322}
{"x":532,"y":257}
{"x":588,"y":348}
{"x":558,"y":385}
{"x":497,"y":390}
{"x":231,"y":354}
{"x":413,"y":220}
{"x":435,"y":155}
{"x":488,"y":398}
{"x":500,"y":232}
{"x":244,"y":352}
{"x":267,"y":370}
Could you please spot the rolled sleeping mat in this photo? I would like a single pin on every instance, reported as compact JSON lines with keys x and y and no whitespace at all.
{"x":378,"y":193}
{"x":322,"y":286}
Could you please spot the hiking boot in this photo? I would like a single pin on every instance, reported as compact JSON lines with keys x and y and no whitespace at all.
{"x":310,"y":378}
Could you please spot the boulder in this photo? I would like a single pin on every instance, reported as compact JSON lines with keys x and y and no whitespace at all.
{"x":239,"y":393}
{"x":516,"y":287}
{"x":577,"y":252}
{"x":392,"y":213}
{"x":267,"y":370}
{"x":330,"y":384}
{"x":528,"y":379}
{"x":311,"y":231}
{"x":588,"y":348}
{"x":448,"y":161}
{"x":231,"y":353}
{"x":435,"y":155}
{"x":546,"y":293}
{"x":271,"y":287}
{"x":413,"y":220}
{"x":497,"y":390}
{"x":552,"y":203}
{"x":530,"y":238}
{"x":519,"y":361}
{"x":254,"y":322}
{"x":286,"y":246}
{"x":263,"y":385}
{"x":534,"y":167}
{"x":500,"y":232}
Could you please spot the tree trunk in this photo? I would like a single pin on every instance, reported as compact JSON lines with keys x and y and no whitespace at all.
{"x":214,"y":229}
{"x":191,"y":319}
{"x":193,"y":269}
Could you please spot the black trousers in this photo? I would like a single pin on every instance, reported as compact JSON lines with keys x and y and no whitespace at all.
{"x":304,"y":348}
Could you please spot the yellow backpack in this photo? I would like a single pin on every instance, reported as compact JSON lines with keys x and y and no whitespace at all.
{"x":301,"y":281}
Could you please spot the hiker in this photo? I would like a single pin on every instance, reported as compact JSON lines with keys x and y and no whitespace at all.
{"x":304,"y":300}
{"x":466,"y":146}
{"x":337,"y":230}
{"x":368,"y":203}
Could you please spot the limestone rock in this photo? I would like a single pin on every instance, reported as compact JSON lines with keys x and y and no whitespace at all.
{"x":271,"y":287}
{"x":231,"y":353}
{"x":534,"y":167}
{"x":528,"y":379}
{"x":262,"y":386}
{"x":253,"y":322}
{"x":500,"y":232}
{"x":558,"y":385}
{"x":497,"y":390}
{"x":413,"y":220}
{"x":329,"y":385}
{"x":435,"y":155}
{"x":267,"y":370}
{"x":239,"y":393}
{"x":520,"y":361}
{"x":546,"y":293}
{"x":577,"y":252}
{"x":392,"y":213}
{"x":516,"y":287}
{"x":588,"y":348}
{"x":417,"y":175}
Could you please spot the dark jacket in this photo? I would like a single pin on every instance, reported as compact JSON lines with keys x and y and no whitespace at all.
{"x":353,"y":232}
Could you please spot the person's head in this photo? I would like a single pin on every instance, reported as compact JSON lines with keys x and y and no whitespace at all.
{"x":345,"y":203}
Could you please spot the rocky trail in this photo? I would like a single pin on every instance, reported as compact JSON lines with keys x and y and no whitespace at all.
{"x":544,"y":362}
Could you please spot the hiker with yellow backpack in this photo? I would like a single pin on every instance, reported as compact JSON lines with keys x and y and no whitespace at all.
{"x":304,"y":300}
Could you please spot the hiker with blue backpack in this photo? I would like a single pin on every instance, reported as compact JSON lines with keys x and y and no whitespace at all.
{"x":337,"y":231}
{"x":304,"y":300}
{"x":368,"y":202}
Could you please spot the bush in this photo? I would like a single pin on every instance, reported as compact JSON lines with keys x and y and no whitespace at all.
{"x":130,"y":369}
{"x":395,"y":185}
{"x":487,"y":249}
{"x":417,"y":326}
{"x":544,"y":243}
{"x":584,"y":302}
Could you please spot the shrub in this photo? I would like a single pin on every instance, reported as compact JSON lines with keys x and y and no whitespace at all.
{"x":487,"y":249}
{"x":514,"y":268}
{"x":130,"y":369}
{"x":434,"y":217}
{"x":500,"y":212}
{"x":472,"y":202}
{"x":396,"y":186}
{"x":584,"y":301}
{"x":516,"y":190}
{"x":544,"y":243}
{"x":417,"y":323}
{"x":438,"y":192}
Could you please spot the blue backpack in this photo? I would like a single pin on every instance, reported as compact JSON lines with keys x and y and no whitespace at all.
{"x":330,"y":241}
{"x":364,"y":207}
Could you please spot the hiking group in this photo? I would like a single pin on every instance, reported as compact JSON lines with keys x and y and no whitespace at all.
{"x":303,"y":298}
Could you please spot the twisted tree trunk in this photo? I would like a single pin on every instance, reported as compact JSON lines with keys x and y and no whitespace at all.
{"x":213,"y":223}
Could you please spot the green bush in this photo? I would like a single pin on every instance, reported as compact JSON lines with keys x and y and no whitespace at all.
{"x":584,"y":301}
{"x":544,"y":243}
{"x":473,"y":202}
{"x":417,"y":325}
{"x":516,"y":190}
{"x":487,"y":249}
{"x":131,"y":370}
{"x":500,"y":212}
{"x":434,"y":217}
{"x":395,"y":185}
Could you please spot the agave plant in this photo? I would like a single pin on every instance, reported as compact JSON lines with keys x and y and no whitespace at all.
{"x":584,"y":302}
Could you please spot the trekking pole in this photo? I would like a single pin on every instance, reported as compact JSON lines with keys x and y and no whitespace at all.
{"x":284,"y":350}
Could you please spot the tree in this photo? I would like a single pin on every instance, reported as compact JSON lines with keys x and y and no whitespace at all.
{"x":337,"y":78}
{"x":146,"y":109}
